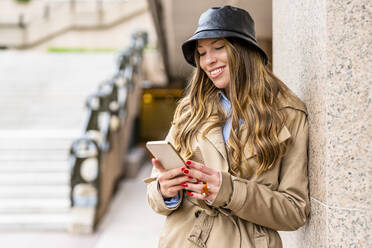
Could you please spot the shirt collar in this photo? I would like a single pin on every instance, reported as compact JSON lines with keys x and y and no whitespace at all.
{"x":225,"y":102}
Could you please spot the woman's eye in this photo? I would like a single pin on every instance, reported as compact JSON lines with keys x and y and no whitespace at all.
{"x":220,"y":47}
{"x":201,"y":54}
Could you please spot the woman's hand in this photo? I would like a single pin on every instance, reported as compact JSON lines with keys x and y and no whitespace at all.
{"x":203,"y":174}
{"x":169,"y":180}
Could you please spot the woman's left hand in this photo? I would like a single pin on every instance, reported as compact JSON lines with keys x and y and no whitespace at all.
{"x":205,"y":175}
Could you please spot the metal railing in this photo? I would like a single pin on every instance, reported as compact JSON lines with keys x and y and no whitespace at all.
{"x":97,"y":156}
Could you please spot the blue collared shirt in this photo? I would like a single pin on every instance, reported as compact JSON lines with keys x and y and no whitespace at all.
{"x":226,"y":106}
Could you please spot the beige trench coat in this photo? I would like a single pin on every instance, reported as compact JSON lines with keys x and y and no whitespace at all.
{"x":247,"y":211}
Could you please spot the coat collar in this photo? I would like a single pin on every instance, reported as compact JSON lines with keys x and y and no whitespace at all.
{"x":215,"y":138}
{"x":291,"y":102}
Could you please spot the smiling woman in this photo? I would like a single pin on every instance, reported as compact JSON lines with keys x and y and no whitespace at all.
{"x":243,"y":135}
{"x":214,"y":61}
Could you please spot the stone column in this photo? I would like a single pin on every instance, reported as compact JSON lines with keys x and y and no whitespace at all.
{"x":322,"y":51}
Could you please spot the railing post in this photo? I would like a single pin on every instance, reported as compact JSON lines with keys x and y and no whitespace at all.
{"x":72,"y":5}
{"x":21,"y":21}
{"x":99,"y":4}
{"x":46,"y":11}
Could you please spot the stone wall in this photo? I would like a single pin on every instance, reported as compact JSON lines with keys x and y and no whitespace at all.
{"x":322,"y":50}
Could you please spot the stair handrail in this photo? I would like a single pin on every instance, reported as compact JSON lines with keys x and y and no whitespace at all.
{"x":106,"y":113}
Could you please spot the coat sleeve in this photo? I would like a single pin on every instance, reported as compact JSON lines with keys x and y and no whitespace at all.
{"x":154,"y":197}
{"x":286,"y":208}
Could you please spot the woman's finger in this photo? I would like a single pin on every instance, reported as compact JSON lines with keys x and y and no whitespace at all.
{"x":157,"y":164}
{"x":194,"y":173}
{"x":172,"y":191}
{"x":171,"y":187}
{"x":197,"y":187}
{"x":199,"y":196}
{"x":200,"y":167}
{"x":172,"y":173}
{"x":176,"y":181}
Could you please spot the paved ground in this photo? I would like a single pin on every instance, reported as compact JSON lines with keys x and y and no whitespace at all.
{"x":129,"y":222}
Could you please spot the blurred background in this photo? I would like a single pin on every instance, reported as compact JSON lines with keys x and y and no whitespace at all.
{"x":85,"y":83}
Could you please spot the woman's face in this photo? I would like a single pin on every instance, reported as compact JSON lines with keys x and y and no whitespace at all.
{"x":214,"y":61}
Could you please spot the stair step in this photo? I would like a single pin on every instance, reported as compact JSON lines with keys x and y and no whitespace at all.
{"x":35,"y":144}
{"x":22,"y":178}
{"x":26,"y":192}
{"x":39,"y":133}
{"x":35,"y":205}
{"x":33,"y":222}
{"x":34,"y":166}
{"x":53,"y":155}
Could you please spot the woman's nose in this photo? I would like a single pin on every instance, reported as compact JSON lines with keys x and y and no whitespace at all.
{"x":211,"y":58}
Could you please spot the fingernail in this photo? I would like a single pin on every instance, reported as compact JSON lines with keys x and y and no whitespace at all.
{"x":182,"y":169}
{"x":184,"y":185}
{"x":186,"y":171}
{"x":191,"y":177}
{"x":188,"y":162}
{"x":189,"y":193}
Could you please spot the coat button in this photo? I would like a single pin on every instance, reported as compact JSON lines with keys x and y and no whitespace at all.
{"x":197,"y":213}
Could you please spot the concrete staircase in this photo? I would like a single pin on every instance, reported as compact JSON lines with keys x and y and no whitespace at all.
{"x":46,"y":19}
{"x":34,"y":183}
{"x":42,"y":99}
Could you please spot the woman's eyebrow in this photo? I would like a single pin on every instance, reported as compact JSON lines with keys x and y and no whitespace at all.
{"x":212,"y":42}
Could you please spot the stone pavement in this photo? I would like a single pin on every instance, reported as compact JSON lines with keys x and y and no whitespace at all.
{"x":129,"y":222}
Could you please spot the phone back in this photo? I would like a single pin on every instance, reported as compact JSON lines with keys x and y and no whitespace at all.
{"x":165,"y":153}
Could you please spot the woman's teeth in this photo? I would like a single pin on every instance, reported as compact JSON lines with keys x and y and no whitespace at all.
{"x":214,"y":72}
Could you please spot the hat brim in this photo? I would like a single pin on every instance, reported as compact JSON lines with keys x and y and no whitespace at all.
{"x":188,"y":47}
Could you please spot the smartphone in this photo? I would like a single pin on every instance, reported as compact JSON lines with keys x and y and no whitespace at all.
{"x":165,"y":153}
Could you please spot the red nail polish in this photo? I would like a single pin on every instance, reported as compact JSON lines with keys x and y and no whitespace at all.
{"x":188,"y":162}
{"x":191,"y":177}
{"x":189,"y":193}
{"x":182,"y":169}
{"x":186,"y":171}
{"x":184,"y":185}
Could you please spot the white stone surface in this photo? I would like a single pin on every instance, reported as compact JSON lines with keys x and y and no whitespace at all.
{"x":47,"y":91}
{"x":129,"y":222}
{"x":321,"y":50}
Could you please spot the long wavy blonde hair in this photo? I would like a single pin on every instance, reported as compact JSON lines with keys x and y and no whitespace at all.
{"x":253,"y":95}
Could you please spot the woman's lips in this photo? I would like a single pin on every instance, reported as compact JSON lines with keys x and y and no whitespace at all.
{"x":215,"y":73}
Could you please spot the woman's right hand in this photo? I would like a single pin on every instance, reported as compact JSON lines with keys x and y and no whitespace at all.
{"x":170,"y":181}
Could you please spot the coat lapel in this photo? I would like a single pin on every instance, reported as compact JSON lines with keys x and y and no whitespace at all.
{"x":283,"y":135}
{"x":215,"y":137}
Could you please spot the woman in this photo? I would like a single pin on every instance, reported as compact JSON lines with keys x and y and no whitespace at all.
{"x":243,"y":135}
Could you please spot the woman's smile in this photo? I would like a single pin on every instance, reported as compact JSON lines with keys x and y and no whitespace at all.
{"x":215,"y":73}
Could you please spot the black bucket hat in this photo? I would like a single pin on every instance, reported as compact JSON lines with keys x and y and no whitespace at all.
{"x":223,"y":22}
